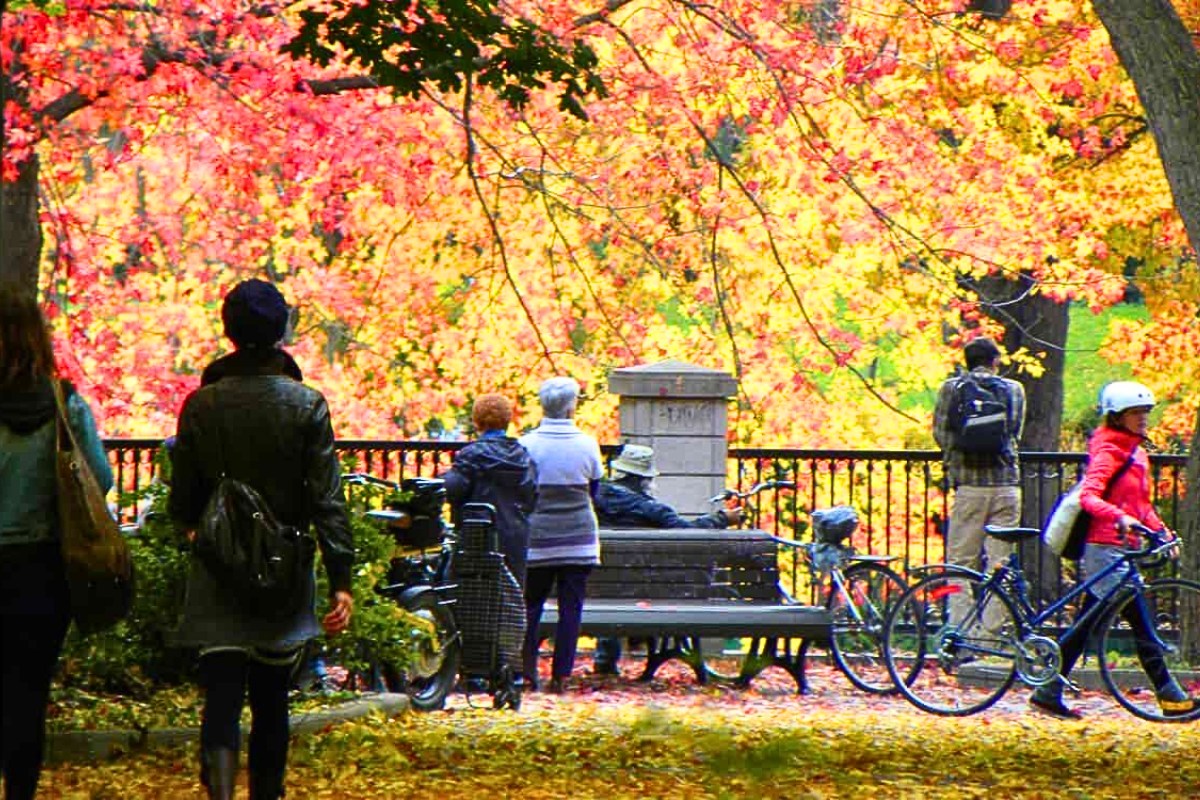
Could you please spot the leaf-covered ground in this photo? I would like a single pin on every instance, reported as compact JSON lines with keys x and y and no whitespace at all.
{"x":613,"y":739}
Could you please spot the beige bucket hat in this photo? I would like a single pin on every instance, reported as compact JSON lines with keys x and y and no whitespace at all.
{"x":636,"y":459}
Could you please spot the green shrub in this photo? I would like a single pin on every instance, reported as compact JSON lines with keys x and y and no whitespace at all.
{"x":380,"y":632}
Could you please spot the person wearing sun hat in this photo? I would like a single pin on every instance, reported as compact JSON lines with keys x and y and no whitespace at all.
{"x":627,"y":502}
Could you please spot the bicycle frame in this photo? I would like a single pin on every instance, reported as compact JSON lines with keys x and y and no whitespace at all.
{"x":837,"y":572}
{"x":1029,"y":620}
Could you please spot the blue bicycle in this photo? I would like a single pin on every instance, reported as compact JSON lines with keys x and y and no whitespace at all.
{"x":963,"y":661}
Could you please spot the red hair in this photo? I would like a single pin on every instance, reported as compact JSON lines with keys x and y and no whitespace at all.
{"x":491,"y":412}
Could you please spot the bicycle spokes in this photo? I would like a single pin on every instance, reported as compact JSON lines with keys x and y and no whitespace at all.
{"x":954,"y":637}
{"x":859,"y":603}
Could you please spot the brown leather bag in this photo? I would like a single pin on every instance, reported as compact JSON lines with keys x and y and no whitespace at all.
{"x":95,"y":553}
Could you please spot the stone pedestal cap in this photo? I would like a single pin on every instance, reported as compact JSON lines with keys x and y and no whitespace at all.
{"x":671,"y":379}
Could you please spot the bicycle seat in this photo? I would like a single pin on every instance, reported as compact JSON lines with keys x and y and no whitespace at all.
{"x":878,"y":559}
{"x":1011,"y":534}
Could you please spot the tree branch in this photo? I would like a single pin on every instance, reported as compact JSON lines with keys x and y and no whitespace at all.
{"x":495,"y":229}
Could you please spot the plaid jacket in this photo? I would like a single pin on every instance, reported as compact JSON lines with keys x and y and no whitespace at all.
{"x":1003,"y":471}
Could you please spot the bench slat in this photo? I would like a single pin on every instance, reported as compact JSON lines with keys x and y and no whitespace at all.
{"x":680,"y":619}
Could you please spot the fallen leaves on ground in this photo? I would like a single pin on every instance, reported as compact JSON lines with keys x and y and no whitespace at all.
{"x":613,"y":739}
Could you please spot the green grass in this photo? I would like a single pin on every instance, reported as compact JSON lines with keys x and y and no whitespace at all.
{"x":1086,"y":368}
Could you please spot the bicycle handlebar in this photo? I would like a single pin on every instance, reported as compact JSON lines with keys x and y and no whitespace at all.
{"x":1158,"y":544}
{"x":730,"y":494}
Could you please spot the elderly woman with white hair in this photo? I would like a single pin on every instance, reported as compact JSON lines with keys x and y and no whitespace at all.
{"x":564,"y":543}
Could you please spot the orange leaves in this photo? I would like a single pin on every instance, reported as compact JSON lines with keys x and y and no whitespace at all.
{"x":787,"y":195}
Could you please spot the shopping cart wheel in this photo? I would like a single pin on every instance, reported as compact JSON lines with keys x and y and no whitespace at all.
{"x":507,"y":694}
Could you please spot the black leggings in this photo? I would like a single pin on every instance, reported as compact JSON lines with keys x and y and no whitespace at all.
{"x":1146,"y":641}
{"x":34,"y":617}
{"x":225,"y":676}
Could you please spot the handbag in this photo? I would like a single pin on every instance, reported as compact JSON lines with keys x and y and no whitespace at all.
{"x":265,"y":563}
{"x":1065,"y":533}
{"x":96,"y":557}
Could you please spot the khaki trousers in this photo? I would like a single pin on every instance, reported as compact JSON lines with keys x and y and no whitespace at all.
{"x":974,"y":507}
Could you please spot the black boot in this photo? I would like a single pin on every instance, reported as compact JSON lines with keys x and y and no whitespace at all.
{"x":266,"y":787}
{"x":1049,"y":700}
{"x":218,"y":772}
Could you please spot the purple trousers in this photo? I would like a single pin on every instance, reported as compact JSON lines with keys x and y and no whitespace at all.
{"x":572,"y":584}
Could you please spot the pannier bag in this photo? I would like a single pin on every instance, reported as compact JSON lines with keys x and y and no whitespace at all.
{"x":834,"y":525}
{"x":423,"y":527}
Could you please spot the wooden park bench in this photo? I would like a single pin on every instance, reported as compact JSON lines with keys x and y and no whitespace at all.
{"x":682,"y":589}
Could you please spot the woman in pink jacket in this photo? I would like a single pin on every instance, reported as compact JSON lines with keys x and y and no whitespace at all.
{"x":1116,"y":494}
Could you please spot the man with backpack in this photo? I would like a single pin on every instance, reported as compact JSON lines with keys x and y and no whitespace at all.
{"x":977,"y":423}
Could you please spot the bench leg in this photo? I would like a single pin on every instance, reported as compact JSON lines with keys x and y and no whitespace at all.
{"x":772,"y":652}
{"x":753,"y":662}
{"x":661,"y":650}
{"x":793,"y":663}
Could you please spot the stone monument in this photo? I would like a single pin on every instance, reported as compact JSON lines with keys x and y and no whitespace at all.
{"x":681,"y":411}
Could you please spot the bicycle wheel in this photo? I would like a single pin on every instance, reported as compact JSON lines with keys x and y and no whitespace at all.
{"x":1172,"y":607}
{"x":858,"y":604}
{"x":952,"y":668}
{"x":430,"y":675}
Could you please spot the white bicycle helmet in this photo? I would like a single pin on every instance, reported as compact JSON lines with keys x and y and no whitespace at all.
{"x":1121,"y":396}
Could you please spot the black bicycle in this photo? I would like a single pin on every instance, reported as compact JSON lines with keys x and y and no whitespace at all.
{"x":959,"y":639}
{"x":419,"y":581}
{"x":455,"y":584}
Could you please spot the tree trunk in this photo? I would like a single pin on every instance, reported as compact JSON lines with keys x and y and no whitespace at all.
{"x":1158,"y":53}
{"x":1040,"y":325}
{"x":20,"y":227}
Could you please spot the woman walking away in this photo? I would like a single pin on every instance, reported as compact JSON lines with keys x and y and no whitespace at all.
{"x":496,"y":469}
{"x":1116,"y":494}
{"x":564,"y":542}
{"x":34,"y":609}
{"x":256,"y":423}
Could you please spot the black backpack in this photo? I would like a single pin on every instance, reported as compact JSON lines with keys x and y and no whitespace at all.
{"x":266,"y":564}
{"x":979,"y":416}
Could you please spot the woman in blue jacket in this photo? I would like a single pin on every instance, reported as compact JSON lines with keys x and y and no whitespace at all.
{"x":497,"y":469}
{"x":34,"y":607}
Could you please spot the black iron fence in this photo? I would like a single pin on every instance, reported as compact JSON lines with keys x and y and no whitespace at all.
{"x":900,"y":495}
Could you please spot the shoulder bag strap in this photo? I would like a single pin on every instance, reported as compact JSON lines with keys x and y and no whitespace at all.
{"x":216,"y":435}
{"x":64,"y":435}
{"x":1120,"y":471}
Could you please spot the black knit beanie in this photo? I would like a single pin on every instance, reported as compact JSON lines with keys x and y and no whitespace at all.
{"x":255,"y":314}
